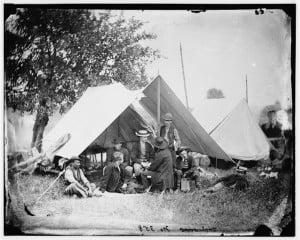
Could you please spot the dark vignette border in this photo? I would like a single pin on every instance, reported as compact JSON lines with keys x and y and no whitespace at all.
{"x":289,"y":9}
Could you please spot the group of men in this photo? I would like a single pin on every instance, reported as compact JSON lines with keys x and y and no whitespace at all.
{"x":156,"y":161}
{"x":152,"y":162}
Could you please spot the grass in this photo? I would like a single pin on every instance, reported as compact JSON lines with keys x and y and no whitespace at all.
{"x":227,"y":210}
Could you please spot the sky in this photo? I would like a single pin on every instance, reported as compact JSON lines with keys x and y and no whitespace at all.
{"x":219,"y":49}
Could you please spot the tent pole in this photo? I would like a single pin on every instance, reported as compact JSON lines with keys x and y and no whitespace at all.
{"x":185,"y":88}
{"x":246,"y":89}
{"x":158,"y":102}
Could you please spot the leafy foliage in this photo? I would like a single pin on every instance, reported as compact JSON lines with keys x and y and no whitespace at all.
{"x":55,"y":54}
{"x":213,"y":93}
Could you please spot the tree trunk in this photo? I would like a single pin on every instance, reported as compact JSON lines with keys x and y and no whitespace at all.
{"x":40,"y":123}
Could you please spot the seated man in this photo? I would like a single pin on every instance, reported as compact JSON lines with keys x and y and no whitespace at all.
{"x":113,"y":178}
{"x":127,"y":169}
{"x":161,"y":169}
{"x":142,"y":153}
{"x":186,"y":166}
{"x":78,"y":184}
{"x":237,"y":181}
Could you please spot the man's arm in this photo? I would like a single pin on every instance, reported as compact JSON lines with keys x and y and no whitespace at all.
{"x":150,"y":152}
{"x":134,"y":154}
{"x":84,"y":180}
{"x":177,"y":138}
{"x":109,"y":155}
{"x":155,"y":164}
{"x":70,"y":178}
{"x":126,"y":157}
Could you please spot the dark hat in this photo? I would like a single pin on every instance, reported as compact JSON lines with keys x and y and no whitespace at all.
{"x":117,"y":141}
{"x":167,"y":117}
{"x":160,"y":143}
{"x":181,"y":149}
{"x":72,"y":159}
{"x":142,"y":133}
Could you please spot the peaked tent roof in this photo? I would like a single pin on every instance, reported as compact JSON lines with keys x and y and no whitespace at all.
{"x":96,"y":120}
{"x":240,"y":135}
{"x":190,"y":131}
{"x":89,"y":117}
{"x":210,"y":112}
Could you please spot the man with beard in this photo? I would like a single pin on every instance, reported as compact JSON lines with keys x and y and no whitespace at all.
{"x":77,"y":182}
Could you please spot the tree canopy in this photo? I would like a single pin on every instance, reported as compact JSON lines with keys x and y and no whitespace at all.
{"x":55,"y":54}
{"x":214,"y":93}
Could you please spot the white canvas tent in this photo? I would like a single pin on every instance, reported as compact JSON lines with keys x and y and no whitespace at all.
{"x":107,"y":112}
{"x":210,"y":112}
{"x":89,"y":117}
{"x":239,"y":134}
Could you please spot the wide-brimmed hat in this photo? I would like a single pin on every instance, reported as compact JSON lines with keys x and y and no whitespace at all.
{"x":160,"y":143}
{"x":167,"y":117}
{"x":240,"y":169}
{"x":117,"y":141}
{"x":72,"y":159}
{"x":142,"y":133}
{"x":181,"y":149}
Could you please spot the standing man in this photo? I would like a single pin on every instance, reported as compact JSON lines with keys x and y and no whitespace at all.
{"x":170,"y":134}
{"x":117,"y":147}
{"x":272,"y":128}
{"x":273,"y":131}
{"x":142,"y":153}
{"x":78,"y":183}
{"x":186,"y":166}
{"x":161,"y":169}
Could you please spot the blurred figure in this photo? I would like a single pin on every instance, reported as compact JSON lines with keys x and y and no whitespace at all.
{"x":236,"y":180}
{"x":272,"y":128}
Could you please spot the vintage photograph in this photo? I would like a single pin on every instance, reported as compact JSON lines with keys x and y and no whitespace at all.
{"x":149,"y":120}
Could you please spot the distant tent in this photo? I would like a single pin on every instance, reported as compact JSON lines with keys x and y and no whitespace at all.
{"x":210,"y":112}
{"x":240,"y":135}
{"x":106,"y":112}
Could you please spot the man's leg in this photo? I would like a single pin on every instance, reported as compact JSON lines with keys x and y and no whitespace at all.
{"x":196,"y":177}
{"x":128,"y":173}
{"x":173,"y":154}
{"x":138,"y":169}
{"x":74,"y":189}
{"x":144,"y":176}
{"x":178,"y":174}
